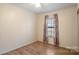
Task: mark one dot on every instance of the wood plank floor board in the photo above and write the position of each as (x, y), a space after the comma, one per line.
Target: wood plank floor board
(39, 48)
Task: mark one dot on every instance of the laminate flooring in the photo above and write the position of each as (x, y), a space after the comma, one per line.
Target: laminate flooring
(39, 48)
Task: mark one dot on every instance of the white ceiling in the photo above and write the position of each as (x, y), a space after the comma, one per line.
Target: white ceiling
(46, 7)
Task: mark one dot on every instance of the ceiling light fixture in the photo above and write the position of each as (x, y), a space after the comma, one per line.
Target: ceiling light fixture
(37, 4)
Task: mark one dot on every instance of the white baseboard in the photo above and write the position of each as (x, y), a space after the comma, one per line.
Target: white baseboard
(16, 47)
(74, 48)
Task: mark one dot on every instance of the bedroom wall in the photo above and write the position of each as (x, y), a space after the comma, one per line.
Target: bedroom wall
(78, 23)
(17, 27)
(67, 27)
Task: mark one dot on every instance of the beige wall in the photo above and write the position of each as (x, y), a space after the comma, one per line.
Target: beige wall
(67, 27)
(78, 24)
(17, 27)
(77, 5)
(78, 30)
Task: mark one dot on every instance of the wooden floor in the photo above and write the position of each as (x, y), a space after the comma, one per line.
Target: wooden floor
(39, 48)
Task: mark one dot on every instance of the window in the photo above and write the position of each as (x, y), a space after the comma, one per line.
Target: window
(50, 27)
(51, 32)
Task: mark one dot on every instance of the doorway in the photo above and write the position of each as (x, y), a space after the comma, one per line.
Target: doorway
(51, 33)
